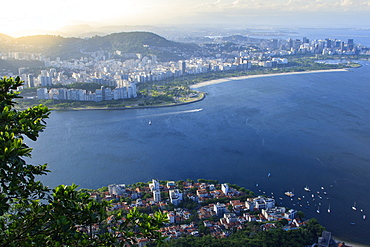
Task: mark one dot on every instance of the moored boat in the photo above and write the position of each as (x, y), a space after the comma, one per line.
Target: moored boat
(289, 193)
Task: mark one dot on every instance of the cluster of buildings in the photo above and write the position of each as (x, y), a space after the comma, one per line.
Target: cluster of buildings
(123, 70)
(220, 218)
(104, 93)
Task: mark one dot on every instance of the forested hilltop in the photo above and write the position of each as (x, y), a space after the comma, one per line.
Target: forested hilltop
(52, 46)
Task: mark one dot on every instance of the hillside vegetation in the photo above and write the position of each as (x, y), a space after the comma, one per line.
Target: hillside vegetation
(145, 43)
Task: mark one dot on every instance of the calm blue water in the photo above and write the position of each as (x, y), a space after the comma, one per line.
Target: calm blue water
(309, 129)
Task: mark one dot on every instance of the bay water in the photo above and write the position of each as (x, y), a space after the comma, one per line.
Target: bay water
(305, 130)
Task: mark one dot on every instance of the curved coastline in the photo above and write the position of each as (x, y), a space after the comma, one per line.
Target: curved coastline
(203, 95)
(216, 81)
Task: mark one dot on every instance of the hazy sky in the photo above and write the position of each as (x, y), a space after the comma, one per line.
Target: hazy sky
(25, 15)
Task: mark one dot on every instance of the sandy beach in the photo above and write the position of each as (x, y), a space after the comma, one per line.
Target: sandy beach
(221, 80)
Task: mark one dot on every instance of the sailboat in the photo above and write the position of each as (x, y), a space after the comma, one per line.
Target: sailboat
(307, 189)
(318, 209)
(329, 209)
(354, 206)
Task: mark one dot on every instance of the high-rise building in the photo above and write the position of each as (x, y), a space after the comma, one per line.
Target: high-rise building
(350, 44)
(22, 70)
(182, 66)
(46, 81)
(30, 81)
(42, 93)
(274, 43)
(297, 43)
(290, 43)
(342, 46)
(157, 195)
(328, 43)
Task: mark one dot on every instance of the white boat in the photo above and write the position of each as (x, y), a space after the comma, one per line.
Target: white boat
(307, 189)
(322, 187)
(318, 209)
(354, 206)
(364, 217)
(289, 193)
(150, 122)
(269, 175)
(329, 209)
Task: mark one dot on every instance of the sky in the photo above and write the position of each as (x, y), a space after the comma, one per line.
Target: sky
(21, 17)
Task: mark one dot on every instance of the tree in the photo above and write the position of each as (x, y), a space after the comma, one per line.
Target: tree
(18, 182)
(32, 214)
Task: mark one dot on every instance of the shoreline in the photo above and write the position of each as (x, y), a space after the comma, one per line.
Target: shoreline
(203, 84)
(349, 243)
(203, 95)
(221, 80)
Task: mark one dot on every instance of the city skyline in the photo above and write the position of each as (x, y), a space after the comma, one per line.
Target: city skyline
(39, 17)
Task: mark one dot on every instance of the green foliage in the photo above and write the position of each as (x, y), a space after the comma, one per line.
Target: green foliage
(14, 65)
(145, 43)
(300, 215)
(252, 235)
(208, 181)
(17, 177)
(103, 189)
(33, 215)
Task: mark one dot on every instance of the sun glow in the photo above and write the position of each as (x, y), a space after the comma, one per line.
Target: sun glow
(24, 17)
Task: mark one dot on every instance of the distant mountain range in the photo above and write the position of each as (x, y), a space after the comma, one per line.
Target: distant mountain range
(146, 43)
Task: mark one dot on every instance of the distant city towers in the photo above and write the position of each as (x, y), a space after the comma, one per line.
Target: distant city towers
(350, 44)
(328, 43)
(274, 43)
(182, 67)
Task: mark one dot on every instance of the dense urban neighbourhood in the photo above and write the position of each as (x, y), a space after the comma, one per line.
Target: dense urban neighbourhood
(150, 70)
(208, 213)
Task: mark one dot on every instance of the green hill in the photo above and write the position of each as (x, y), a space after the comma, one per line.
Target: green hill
(146, 43)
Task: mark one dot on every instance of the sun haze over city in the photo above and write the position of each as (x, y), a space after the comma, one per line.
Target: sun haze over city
(23, 17)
